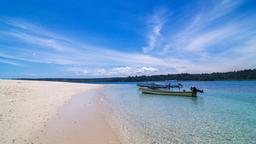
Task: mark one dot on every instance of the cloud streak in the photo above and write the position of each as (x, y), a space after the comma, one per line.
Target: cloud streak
(40, 46)
(156, 23)
(9, 62)
(210, 39)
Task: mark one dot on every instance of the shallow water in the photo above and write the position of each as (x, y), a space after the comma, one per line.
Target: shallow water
(225, 113)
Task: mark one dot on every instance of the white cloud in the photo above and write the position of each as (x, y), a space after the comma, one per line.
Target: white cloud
(37, 40)
(210, 40)
(10, 62)
(222, 8)
(77, 70)
(205, 29)
(202, 41)
(115, 71)
(143, 70)
(48, 47)
(156, 23)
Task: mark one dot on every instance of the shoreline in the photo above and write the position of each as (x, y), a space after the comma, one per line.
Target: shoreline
(28, 108)
(115, 124)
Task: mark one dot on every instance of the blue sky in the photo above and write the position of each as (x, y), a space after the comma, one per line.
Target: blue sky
(100, 38)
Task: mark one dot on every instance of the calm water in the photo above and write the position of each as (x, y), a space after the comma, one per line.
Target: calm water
(225, 113)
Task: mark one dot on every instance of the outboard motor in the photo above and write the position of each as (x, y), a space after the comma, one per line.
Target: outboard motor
(194, 89)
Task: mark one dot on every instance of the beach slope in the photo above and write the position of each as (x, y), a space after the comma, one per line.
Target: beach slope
(26, 107)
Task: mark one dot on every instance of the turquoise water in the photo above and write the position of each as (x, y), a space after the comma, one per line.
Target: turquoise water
(225, 113)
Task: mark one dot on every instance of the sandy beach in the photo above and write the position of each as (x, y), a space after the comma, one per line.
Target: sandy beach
(35, 112)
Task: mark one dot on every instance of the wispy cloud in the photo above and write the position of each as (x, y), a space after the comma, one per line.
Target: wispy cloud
(42, 46)
(201, 41)
(156, 23)
(210, 39)
(204, 28)
(35, 35)
(222, 8)
(9, 62)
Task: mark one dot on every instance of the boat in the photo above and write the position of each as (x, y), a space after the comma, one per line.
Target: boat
(192, 93)
(167, 85)
(152, 85)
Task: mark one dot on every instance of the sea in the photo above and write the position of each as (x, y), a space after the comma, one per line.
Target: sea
(224, 114)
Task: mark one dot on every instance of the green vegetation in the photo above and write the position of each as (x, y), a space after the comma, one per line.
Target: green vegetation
(249, 74)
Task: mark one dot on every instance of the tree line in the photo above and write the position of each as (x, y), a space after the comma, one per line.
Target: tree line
(249, 74)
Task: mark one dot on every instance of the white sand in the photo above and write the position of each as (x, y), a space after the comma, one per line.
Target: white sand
(27, 106)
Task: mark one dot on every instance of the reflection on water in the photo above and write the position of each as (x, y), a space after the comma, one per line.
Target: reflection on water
(225, 113)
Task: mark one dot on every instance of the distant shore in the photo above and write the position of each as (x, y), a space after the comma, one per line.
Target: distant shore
(27, 108)
(249, 74)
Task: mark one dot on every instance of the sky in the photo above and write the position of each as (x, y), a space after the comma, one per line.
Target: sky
(98, 38)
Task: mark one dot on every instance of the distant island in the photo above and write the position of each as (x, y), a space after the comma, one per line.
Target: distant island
(249, 74)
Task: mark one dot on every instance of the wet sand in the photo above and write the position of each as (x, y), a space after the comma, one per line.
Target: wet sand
(81, 121)
(52, 112)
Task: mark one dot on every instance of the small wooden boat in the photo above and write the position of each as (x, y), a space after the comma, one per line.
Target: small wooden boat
(192, 93)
